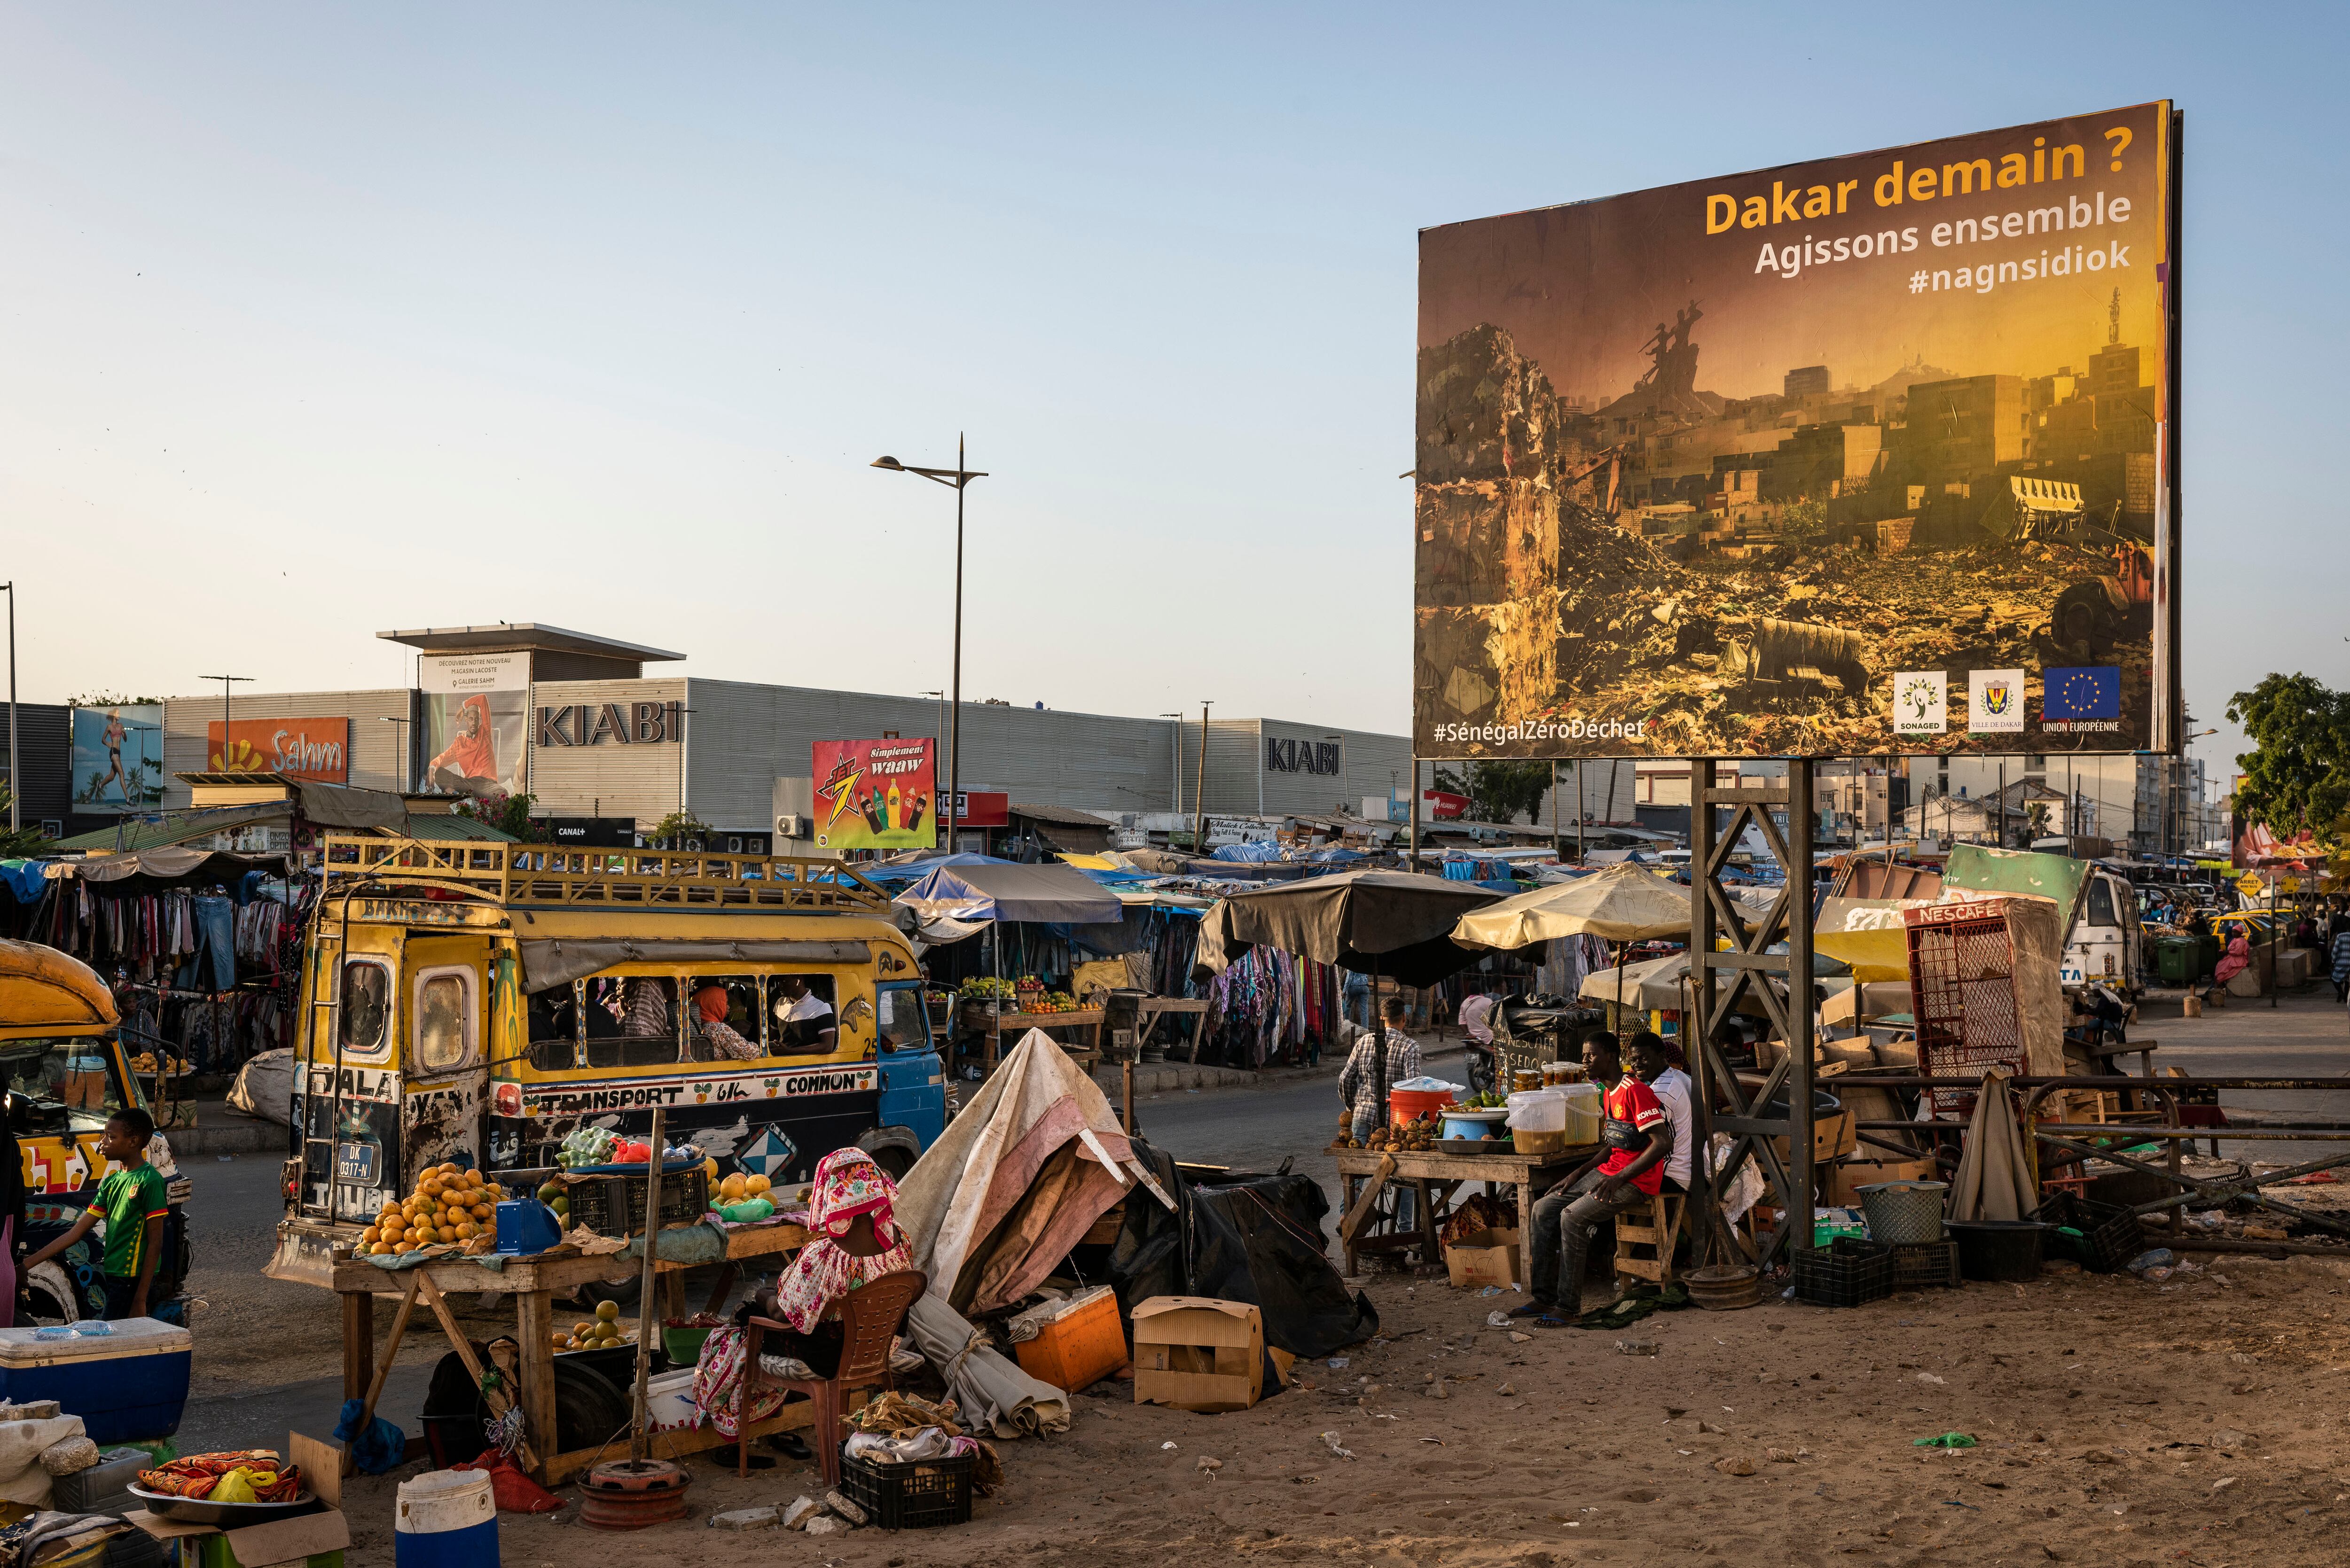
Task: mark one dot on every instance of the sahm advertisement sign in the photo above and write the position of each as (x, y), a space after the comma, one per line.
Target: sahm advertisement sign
(1862, 456)
(875, 794)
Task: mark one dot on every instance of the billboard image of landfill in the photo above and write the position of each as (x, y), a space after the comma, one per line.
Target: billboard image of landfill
(1863, 456)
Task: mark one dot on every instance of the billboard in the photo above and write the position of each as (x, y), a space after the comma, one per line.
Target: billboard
(875, 794)
(1863, 456)
(476, 723)
(317, 749)
(118, 758)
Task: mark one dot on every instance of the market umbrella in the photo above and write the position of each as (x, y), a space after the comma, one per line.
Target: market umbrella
(1621, 904)
(1994, 1179)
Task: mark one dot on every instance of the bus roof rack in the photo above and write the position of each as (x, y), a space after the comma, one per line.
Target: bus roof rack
(545, 876)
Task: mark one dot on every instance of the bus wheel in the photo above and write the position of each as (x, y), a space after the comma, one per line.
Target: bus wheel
(894, 1160)
(49, 1298)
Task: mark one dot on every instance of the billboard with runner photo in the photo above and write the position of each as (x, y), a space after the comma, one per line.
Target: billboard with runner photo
(875, 794)
(118, 758)
(1869, 455)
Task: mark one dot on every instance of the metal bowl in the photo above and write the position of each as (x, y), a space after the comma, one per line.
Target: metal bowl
(226, 1515)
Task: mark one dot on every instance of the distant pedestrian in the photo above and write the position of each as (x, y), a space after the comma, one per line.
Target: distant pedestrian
(2342, 964)
(1355, 1081)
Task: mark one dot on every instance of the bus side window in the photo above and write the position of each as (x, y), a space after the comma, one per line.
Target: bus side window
(555, 1028)
(800, 1017)
(632, 1022)
(722, 1018)
(366, 1006)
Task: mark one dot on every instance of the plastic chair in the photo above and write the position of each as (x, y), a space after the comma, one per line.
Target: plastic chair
(1657, 1231)
(870, 1317)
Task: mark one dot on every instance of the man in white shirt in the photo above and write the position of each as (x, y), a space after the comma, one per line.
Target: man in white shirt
(806, 1018)
(1673, 1088)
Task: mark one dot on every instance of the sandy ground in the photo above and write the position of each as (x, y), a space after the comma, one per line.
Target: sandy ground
(2120, 1422)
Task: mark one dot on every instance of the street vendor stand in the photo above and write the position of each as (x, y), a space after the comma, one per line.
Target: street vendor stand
(1436, 1176)
(534, 1283)
(995, 893)
(982, 1019)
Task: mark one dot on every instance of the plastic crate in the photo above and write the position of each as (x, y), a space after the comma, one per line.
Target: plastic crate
(1917, 1265)
(615, 1205)
(909, 1497)
(2109, 1235)
(1848, 1273)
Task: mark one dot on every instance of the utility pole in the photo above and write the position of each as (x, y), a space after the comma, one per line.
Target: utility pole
(227, 683)
(15, 796)
(1413, 841)
(1200, 791)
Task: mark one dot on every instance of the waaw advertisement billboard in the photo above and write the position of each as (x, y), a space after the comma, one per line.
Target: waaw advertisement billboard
(1870, 455)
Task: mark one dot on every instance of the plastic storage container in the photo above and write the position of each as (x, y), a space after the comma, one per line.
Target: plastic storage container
(125, 1384)
(446, 1519)
(1918, 1264)
(2100, 1237)
(1847, 1274)
(909, 1497)
(1999, 1250)
(1079, 1348)
(1409, 1105)
(105, 1487)
(1572, 1110)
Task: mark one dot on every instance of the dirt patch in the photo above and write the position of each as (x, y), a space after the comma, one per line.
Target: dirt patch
(2118, 1422)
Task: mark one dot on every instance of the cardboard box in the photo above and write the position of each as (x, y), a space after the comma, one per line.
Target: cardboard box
(1484, 1258)
(1195, 1352)
(318, 1539)
(1845, 1180)
(1834, 1135)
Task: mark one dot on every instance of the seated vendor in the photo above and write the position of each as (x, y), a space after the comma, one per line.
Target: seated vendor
(1637, 1139)
(853, 1240)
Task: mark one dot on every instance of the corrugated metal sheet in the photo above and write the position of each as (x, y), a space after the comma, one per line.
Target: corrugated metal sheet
(45, 753)
(376, 761)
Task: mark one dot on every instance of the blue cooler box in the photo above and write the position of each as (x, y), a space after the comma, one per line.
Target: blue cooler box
(129, 1385)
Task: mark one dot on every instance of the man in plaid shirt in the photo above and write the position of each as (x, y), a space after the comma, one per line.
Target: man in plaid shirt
(1355, 1085)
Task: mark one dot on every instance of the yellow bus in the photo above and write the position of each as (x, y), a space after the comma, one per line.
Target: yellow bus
(477, 1003)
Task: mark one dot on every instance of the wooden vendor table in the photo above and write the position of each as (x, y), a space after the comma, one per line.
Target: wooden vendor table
(1151, 1009)
(1436, 1176)
(535, 1284)
(994, 1025)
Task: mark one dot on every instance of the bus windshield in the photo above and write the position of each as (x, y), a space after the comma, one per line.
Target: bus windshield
(61, 1087)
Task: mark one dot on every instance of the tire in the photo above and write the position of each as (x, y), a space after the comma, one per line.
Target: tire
(625, 1292)
(47, 1299)
(894, 1160)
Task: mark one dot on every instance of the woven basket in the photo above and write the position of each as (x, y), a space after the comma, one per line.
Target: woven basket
(1904, 1212)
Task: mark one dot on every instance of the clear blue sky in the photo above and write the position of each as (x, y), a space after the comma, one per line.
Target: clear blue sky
(321, 320)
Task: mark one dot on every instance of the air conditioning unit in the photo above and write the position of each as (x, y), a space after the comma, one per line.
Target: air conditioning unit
(794, 826)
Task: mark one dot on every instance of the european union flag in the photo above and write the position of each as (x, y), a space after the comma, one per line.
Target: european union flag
(2092, 693)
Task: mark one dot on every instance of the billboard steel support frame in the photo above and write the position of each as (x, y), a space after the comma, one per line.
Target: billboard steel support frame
(1714, 914)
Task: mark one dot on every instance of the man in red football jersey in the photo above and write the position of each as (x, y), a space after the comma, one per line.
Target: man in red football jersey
(1628, 1172)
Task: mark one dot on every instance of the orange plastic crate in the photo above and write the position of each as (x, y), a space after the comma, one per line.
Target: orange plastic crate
(1079, 1348)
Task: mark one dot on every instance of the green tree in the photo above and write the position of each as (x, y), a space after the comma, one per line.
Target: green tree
(677, 829)
(1498, 792)
(2298, 773)
(508, 813)
(23, 842)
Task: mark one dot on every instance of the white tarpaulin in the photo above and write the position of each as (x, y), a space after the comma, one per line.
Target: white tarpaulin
(1016, 1180)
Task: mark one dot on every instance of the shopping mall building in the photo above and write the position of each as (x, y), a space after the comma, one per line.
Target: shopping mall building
(577, 723)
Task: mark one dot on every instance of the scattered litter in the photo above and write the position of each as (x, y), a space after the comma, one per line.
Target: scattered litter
(1947, 1440)
(1786, 1456)
(1735, 1465)
(1506, 1390)
(2152, 1258)
(1929, 1377)
(1638, 1347)
(1330, 1441)
(1497, 1320)
(1337, 1361)
(1166, 1447)
(1517, 1338)
(1491, 1290)
(1210, 1465)
(2223, 1481)
(1709, 1427)
(1954, 1502)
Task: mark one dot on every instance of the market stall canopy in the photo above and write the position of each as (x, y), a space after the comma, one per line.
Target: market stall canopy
(169, 861)
(1663, 983)
(1621, 904)
(1396, 923)
(338, 806)
(1051, 892)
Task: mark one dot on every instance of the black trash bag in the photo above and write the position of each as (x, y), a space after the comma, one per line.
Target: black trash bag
(1255, 1239)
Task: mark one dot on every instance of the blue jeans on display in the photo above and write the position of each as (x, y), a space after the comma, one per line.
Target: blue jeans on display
(216, 931)
(1358, 998)
(1558, 1250)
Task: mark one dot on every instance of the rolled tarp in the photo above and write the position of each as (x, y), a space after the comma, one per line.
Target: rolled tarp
(559, 960)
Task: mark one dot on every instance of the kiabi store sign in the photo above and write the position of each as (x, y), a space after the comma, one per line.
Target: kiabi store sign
(611, 723)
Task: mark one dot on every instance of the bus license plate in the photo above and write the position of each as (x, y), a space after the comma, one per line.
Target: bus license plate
(355, 1165)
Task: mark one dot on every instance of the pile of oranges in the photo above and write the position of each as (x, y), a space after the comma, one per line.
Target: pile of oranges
(450, 1206)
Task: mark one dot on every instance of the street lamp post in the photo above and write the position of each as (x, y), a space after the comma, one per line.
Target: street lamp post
(958, 478)
(228, 684)
(16, 808)
(400, 740)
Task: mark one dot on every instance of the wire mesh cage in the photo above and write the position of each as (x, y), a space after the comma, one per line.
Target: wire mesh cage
(1962, 993)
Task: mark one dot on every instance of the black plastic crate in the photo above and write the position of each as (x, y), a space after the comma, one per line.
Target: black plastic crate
(1917, 1265)
(918, 1496)
(615, 1205)
(1847, 1272)
(2108, 1234)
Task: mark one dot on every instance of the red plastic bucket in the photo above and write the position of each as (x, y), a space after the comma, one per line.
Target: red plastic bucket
(1410, 1104)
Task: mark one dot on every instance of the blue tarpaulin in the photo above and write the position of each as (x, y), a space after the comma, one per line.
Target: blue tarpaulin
(23, 879)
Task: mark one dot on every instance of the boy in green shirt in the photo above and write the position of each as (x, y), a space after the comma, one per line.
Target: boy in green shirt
(133, 1203)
